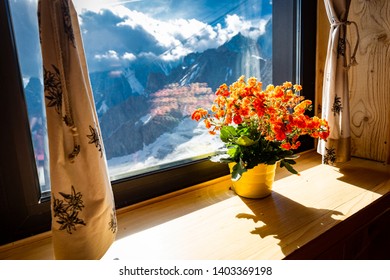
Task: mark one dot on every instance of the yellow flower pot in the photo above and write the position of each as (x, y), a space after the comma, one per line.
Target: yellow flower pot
(256, 182)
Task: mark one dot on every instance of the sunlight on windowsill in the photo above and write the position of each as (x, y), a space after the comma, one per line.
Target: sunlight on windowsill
(209, 221)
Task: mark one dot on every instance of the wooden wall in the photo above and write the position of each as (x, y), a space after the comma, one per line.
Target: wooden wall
(369, 81)
(322, 45)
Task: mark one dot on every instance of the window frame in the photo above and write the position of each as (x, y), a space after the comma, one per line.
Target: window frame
(24, 212)
(21, 210)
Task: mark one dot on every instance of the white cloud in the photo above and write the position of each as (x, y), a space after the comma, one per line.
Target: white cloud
(129, 56)
(97, 5)
(262, 25)
(182, 36)
(148, 55)
(236, 24)
(113, 59)
(110, 55)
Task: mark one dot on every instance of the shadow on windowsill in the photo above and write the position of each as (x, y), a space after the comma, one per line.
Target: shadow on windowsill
(293, 224)
(366, 174)
(184, 203)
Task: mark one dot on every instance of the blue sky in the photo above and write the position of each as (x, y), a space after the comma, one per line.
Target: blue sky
(117, 32)
(164, 29)
(187, 9)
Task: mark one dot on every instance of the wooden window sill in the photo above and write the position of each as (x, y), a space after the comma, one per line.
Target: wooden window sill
(304, 217)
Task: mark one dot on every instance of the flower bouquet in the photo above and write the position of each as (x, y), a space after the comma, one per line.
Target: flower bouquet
(259, 126)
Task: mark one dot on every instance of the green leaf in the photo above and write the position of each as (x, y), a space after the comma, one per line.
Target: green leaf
(290, 161)
(237, 171)
(285, 163)
(227, 133)
(245, 141)
(232, 152)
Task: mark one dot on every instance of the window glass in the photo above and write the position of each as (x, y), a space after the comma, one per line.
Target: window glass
(25, 25)
(151, 63)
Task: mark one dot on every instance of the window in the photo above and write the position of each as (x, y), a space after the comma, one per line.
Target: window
(145, 83)
(151, 63)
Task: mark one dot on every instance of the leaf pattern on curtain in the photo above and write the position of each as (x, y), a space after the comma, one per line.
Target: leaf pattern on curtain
(94, 138)
(113, 225)
(74, 153)
(68, 22)
(53, 88)
(68, 209)
(330, 156)
(337, 107)
(335, 93)
(54, 95)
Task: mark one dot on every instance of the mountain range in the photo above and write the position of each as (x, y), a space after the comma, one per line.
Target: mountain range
(139, 103)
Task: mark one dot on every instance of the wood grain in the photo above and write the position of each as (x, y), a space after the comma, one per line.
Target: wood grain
(323, 27)
(209, 221)
(370, 80)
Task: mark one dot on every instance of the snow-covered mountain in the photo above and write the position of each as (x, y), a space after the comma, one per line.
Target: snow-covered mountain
(144, 108)
(150, 68)
(133, 98)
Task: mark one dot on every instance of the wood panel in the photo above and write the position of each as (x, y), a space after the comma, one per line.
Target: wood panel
(370, 80)
(323, 27)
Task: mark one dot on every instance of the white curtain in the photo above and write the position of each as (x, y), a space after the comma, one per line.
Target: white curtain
(83, 213)
(335, 94)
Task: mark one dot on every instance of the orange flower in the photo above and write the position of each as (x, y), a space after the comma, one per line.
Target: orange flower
(301, 107)
(297, 87)
(207, 123)
(278, 91)
(243, 112)
(198, 114)
(228, 119)
(296, 145)
(252, 82)
(270, 88)
(222, 90)
(220, 114)
(286, 146)
(246, 102)
(273, 119)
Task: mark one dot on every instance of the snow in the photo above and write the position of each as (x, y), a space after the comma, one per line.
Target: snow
(229, 73)
(190, 140)
(103, 108)
(187, 79)
(135, 85)
(146, 119)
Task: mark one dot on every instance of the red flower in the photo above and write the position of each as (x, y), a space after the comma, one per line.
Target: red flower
(223, 90)
(237, 119)
(286, 146)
